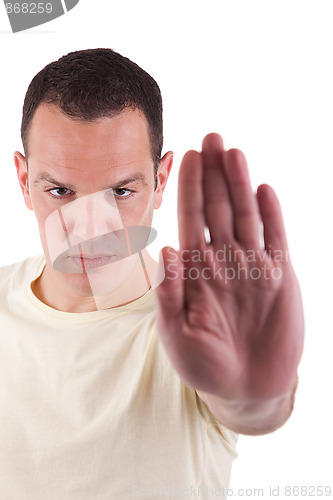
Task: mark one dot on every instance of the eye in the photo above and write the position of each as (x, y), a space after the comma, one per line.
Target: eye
(122, 193)
(61, 192)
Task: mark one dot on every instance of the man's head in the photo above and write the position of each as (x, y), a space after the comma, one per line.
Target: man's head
(95, 83)
(94, 158)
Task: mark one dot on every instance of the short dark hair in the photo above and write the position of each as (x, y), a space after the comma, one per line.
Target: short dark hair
(96, 83)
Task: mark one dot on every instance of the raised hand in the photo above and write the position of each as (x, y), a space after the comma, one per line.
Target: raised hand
(230, 311)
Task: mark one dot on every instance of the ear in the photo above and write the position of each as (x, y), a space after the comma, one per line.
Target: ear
(22, 174)
(162, 177)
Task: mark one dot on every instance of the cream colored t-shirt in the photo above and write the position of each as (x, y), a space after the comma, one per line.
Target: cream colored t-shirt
(91, 407)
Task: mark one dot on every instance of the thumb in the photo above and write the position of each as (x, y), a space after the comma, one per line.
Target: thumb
(170, 292)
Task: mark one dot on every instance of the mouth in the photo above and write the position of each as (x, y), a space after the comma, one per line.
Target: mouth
(91, 262)
(95, 252)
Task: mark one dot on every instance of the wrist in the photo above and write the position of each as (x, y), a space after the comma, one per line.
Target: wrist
(252, 415)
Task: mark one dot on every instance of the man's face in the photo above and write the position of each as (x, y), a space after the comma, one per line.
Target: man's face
(87, 180)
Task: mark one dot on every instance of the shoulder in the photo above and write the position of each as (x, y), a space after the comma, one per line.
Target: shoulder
(21, 272)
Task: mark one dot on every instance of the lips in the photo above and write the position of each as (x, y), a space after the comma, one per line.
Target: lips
(104, 249)
(91, 262)
(87, 255)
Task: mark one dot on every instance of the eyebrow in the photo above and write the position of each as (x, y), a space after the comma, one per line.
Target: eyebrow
(137, 177)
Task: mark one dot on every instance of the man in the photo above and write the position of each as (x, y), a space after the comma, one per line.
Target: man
(116, 382)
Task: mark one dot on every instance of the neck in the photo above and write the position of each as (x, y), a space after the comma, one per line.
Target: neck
(107, 287)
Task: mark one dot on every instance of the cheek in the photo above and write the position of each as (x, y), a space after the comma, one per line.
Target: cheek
(138, 212)
(41, 209)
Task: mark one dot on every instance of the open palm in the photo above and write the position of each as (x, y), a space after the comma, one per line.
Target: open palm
(229, 310)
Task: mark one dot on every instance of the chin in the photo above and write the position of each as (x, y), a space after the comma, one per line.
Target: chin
(79, 282)
(100, 281)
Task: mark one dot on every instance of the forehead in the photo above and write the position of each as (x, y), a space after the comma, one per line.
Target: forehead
(75, 146)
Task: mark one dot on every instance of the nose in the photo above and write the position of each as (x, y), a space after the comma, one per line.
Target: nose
(91, 216)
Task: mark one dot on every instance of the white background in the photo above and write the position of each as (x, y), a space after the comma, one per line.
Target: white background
(260, 73)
